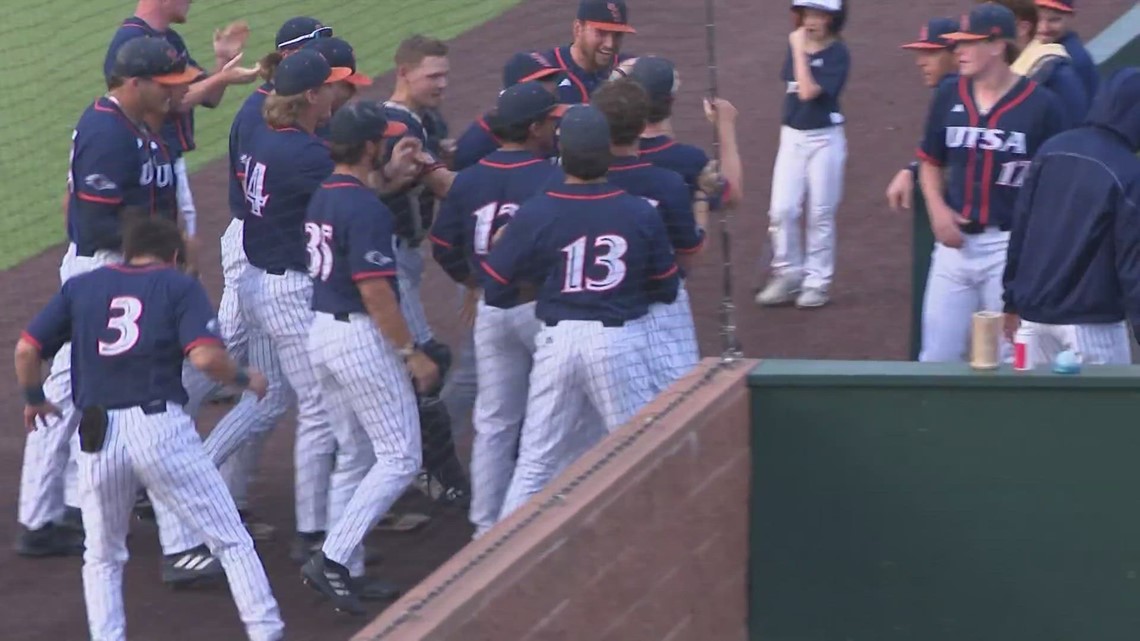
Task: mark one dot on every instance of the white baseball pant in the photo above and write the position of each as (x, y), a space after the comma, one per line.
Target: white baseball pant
(962, 281)
(577, 364)
(811, 161)
(672, 340)
(1095, 343)
(184, 196)
(277, 307)
(48, 451)
(163, 452)
(409, 276)
(377, 426)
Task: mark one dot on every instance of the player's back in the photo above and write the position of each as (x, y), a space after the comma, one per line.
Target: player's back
(683, 158)
(605, 249)
(285, 167)
(492, 190)
(665, 190)
(247, 119)
(127, 334)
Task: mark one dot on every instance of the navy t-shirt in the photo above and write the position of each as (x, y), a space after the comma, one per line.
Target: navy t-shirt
(481, 201)
(115, 163)
(578, 84)
(284, 169)
(247, 119)
(595, 253)
(178, 131)
(129, 328)
(349, 238)
(666, 190)
(830, 68)
(414, 206)
(987, 155)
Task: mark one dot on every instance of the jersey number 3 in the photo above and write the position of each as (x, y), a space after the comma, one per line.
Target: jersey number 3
(125, 313)
(609, 251)
(320, 254)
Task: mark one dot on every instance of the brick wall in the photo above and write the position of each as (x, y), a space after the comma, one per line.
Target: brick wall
(650, 543)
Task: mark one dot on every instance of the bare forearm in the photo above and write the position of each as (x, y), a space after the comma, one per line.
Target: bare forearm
(439, 181)
(380, 301)
(214, 362)
(28, 370)
(932, 183)
(807, 87)
(207, 92)
(731, 166)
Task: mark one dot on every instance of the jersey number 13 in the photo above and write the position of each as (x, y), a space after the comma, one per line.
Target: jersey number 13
(608, 251)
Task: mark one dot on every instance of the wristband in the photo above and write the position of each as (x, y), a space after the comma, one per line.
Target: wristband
(241, 378)
(34, 395)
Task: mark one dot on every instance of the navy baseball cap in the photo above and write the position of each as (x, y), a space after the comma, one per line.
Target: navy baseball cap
(526, 102)
(583, 130)
(985, 22)
(339, 53)
(605, 15)
(305, 70)
(524, 66)
(297, 31)
(362, 121)
(1064, 6)
(933, 35)
(155, 59)
(656, 75)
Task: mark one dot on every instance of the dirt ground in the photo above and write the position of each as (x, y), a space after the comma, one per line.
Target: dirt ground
(884, 102)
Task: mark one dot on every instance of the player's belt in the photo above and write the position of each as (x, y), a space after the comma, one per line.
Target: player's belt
(276, 271)
(975, 228)
(342, 317)
(150, 408)
(609, 322)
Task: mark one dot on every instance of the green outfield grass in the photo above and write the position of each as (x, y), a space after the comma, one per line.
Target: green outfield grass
(52, 69)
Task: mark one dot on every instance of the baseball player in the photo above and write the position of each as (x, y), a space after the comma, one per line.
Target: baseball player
(659, 78)
(589, 59)
(421, 78)
(361, 348)
(479, 140)
(812, 158)
(1054, 26)
(934, 55)
(118, 170)
(129, 325)
(673, 336)
(1047, 64)
(481, 202)
(153, 18)
(980, 137)
(597, 258)
(1071, 273)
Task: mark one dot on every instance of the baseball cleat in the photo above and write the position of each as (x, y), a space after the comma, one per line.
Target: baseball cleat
(305, 545)
(72, 519)
(50, 540)
(781, 290)
(195, 566)
(811, 297)
(371, 589)
(331, 579)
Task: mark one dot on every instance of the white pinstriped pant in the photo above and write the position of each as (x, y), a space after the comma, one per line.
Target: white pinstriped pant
(164, 453)
(577, 364)
(1096, 343)
(672, 340)
(49, 470)
(377, 425)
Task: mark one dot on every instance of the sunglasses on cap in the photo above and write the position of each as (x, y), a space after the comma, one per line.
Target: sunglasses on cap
(319, 32)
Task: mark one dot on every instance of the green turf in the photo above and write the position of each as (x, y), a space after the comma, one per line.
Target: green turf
(52, 69)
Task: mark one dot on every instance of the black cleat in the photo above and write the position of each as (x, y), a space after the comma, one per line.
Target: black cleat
(305, 545)
(333, 582)
(193, 568)
(50, 540)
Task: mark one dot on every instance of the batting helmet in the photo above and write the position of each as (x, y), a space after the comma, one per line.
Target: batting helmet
(837, 9)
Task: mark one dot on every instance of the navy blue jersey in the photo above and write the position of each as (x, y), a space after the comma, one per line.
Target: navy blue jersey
(1082, 63)
(666, 190)
(349, 239)
(475, 143)
(284, 168)
(830, 68)
(247, 119)
(987, 156)
(578, 84)
(685, 159)
(115, 163)
(481, 201)
(595, 253)
(178, 130)
(414, 205)
(128, 328)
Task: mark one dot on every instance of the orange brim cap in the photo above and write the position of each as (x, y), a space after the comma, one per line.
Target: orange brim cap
(184, 77)
(358, 79)
(1054, 5)
(395, 128)
(337, 74)
(540, 74)
(611, 26)
(928, 46)
(558, 110)
(965, 36)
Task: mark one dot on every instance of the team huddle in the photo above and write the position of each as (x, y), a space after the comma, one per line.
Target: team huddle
(567, 215)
